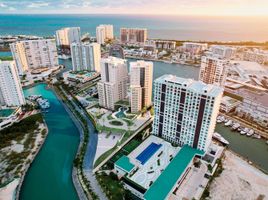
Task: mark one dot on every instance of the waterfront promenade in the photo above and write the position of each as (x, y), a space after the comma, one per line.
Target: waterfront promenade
(91, 148)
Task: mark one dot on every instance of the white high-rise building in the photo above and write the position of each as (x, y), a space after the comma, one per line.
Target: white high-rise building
(141, 81)
(67, 36)
(113, 84)
(11, 93)
(185, 111)
(86, 56)
(213, 70)
(34, 54)
(104, 32)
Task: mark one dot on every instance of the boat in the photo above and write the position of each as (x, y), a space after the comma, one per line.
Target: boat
(235, 126)
(221, 139)
(43, 103)
(239, 129)
(220, 119)
(229, 123)
(34, 97)
(250, 133)
(225, 120)
(244, 131)
(267, 142)
(257, 136)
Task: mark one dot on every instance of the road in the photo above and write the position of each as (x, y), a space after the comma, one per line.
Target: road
(91, 151)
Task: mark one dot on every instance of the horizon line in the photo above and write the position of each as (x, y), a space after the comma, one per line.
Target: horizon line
(134, 14)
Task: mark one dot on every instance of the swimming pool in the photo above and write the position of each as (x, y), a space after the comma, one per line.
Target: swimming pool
(147, 153)
(120, 113)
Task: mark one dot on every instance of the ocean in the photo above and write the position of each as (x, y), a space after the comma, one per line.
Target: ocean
(164, 27)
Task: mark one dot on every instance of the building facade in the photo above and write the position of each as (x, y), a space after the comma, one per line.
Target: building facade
(213, 70)
(104, 32)
(162, 44)
(86, 56)
(141, 81)
(133, 35)
(194, 48)
(185, 111)
(258, 56)
(11, 93)
(34, 54)
(113, 84)
(67, 36)
(116, 50)
(225, 52)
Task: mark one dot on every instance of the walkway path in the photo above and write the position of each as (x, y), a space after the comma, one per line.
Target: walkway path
(91, 151)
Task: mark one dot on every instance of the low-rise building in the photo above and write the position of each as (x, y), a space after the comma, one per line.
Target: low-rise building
(254, 105)
(74, 78)
(156, 169)
(194, 48)
(256, 55)
(222, 51)
(162, 44)
(229, 104)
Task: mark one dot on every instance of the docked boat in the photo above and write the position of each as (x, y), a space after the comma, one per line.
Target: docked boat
(226, 120)
(34, 97)
(235, 126)
(220, 119)
(250, 133)
(229, 123)
(257, 136)
(244, 131)
(43, 103)
(221, 139)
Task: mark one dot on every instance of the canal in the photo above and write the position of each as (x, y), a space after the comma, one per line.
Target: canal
(49, 176)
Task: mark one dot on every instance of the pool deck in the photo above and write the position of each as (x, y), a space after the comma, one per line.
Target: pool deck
(150, 171)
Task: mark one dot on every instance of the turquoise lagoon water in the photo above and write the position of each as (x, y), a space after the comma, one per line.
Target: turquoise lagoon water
(49, 176)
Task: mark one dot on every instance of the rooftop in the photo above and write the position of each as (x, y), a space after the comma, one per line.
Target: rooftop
(249, 66)
(190, 84)
(124, 163)
(149, 170)
(168, 178)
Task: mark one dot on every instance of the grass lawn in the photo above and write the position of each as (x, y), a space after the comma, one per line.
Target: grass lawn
(131, 145)
(103, 156)
(6, 58)
(116, 123)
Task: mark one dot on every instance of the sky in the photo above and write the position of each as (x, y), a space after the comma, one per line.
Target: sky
(155, 7)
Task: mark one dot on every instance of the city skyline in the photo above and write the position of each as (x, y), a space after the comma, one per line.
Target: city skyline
(181, 7)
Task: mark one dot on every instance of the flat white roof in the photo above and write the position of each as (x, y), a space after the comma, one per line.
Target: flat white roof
(152, 168)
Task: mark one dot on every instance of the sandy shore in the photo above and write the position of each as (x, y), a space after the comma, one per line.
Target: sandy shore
(239, 180)
(8, 192)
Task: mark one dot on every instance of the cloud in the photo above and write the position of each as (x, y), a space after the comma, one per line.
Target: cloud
(2, 5)
(191, 7)
(38, 4)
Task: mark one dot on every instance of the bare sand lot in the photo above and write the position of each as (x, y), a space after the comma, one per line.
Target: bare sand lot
(239, 181)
